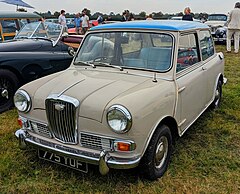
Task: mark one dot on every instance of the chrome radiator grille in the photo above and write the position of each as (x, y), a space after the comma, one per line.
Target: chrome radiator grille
(62, 118)
(96, 142)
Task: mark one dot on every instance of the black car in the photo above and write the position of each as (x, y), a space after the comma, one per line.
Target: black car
(221, 35)
(39, 49)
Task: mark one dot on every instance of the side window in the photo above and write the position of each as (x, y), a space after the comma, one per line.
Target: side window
(162, 40)
(131, 42)
(9, 26)
(187, 52)
(206, 44)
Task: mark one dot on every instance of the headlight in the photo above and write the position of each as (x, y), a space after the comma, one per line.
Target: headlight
(22, 101)
(119, 119)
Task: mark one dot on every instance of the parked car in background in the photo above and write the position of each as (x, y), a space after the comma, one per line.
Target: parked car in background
(92, 23)
(126, 96)
(221, 35)
(54, 20)
(180, 18)
(10, 22)
(37, 50)
(215, 21)
(70, 22)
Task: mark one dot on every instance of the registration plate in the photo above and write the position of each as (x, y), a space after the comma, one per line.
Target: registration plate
(63, 160)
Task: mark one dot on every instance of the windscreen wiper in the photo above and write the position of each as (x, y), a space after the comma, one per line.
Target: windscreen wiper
(84, 63)
(108, 65)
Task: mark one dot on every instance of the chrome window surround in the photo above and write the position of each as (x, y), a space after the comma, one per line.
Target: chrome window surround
(127, 114)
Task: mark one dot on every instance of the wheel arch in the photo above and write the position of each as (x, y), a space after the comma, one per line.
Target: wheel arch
(15, 71)
(219, 77)
(171, 123)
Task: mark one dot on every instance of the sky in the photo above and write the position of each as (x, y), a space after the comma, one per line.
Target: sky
(135, 6)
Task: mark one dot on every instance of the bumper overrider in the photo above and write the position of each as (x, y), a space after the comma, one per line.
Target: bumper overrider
(102, 159)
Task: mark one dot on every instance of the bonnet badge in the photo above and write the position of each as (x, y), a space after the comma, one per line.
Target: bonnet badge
(59, 107)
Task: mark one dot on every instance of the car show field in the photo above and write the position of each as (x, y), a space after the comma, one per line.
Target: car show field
(205, 159)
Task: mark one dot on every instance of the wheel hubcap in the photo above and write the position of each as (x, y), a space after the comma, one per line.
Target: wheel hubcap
(161, 152)
(4, 93)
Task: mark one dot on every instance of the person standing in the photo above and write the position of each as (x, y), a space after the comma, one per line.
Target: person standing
(62, 20)
(124, 17)
(85, 22)
(149, 17)
(187, 14)
(100, 19)
(131, 17)
(233, 28)
(77, 23)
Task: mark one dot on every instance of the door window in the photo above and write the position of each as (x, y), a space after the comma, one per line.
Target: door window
(206, 44)
(187, 52)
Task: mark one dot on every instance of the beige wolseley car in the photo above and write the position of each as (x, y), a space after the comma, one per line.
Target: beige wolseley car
(131, 88)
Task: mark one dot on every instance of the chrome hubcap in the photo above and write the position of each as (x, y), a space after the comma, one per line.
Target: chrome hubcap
(4, 93)
(161, 152)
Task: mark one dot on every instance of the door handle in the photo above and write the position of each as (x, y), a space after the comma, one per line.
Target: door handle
(204, 68)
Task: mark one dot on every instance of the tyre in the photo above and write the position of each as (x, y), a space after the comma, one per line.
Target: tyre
(9, 83)
(218, 96)
(157, 156)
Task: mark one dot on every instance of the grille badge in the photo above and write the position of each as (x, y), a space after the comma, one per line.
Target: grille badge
(59, 107)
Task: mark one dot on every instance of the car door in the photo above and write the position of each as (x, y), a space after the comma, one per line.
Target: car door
(190, 81)
(53, 58)
(211, 63)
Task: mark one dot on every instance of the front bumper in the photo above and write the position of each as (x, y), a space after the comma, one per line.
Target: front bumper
(219, 39)
(102, 159)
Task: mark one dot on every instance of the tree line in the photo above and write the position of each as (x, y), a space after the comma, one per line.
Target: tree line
(117, 16)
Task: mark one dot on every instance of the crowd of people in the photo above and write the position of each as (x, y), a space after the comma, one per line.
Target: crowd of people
(81, 23)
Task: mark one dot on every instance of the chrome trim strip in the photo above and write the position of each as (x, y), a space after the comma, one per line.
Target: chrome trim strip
(181, 123)
(181, 89)
(61, 93)
(84, 156)
(224, 80)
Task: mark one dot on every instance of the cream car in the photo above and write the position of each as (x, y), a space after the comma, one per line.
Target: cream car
(216, 21)
(126, 96)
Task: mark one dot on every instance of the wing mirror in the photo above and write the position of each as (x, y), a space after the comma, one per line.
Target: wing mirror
(71, 51)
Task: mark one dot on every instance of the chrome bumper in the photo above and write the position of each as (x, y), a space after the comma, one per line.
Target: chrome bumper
(224, 80)
(103, 159)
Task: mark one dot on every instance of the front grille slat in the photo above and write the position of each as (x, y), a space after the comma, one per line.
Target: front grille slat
(62, 118)
(96, 142)
(39, 128)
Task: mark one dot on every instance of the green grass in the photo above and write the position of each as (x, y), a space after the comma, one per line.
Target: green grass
(205, 160)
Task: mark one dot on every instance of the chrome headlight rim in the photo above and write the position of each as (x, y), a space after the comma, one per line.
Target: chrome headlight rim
(24, 94)
(125, 112)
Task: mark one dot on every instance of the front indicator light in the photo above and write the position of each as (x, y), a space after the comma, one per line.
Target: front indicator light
(20, 122)
(124, 146)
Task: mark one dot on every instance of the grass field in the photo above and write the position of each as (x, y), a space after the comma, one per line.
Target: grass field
(205, 160)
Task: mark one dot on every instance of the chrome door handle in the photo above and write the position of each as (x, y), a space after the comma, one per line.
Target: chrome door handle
(204, 68)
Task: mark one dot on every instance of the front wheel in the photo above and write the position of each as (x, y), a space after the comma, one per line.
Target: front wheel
(157, 156)
(8, 85)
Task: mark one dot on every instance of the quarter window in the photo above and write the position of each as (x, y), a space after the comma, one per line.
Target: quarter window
(187, 52)
(9, 26)
(206, 44)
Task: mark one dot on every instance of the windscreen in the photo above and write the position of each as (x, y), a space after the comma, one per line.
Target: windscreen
(46, 30)
(151, 51)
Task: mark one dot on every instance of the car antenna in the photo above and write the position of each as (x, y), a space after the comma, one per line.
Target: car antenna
(154, 77)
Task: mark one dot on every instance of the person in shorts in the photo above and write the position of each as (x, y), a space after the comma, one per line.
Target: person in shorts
(85, 22)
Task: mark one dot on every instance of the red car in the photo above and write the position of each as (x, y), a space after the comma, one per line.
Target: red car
(91, 22)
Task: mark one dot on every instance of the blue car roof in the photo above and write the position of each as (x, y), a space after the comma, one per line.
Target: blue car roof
(170, 25)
